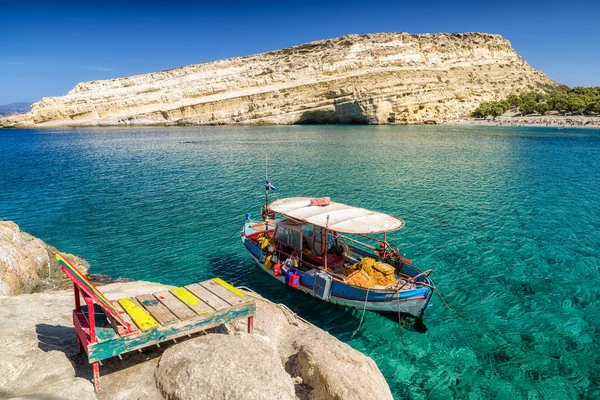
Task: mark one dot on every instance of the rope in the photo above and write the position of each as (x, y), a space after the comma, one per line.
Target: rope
(286, 310)
(231, 236)
(456, 312)
(435, 289)
(400, 317)
(362, 315)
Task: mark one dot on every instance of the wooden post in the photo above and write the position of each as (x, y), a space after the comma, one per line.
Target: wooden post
(96, 373)
(77, 298)
(91, 318)
(250, 324)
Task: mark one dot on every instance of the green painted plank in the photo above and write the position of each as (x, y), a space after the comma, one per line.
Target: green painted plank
(101, 351)
(104, 331)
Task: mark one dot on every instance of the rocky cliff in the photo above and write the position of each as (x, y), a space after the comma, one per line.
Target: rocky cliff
(376, 78)
(27, 264)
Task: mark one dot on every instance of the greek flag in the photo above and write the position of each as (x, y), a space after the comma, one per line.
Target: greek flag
(268, 186)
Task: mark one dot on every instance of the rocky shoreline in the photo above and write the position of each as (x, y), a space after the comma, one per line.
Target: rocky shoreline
(553, 121)
(285, 358)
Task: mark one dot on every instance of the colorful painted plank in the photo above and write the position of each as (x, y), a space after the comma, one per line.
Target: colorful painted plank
(222, 292)
(208, 297)
(125, 317)
(158, 310)
(199, 306)
(87, 287)
(142, 319)
(101, 351)
(229, 287)
(175, 305)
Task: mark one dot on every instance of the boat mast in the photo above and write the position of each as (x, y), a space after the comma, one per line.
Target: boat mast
(326, 241)
(266, 187)
(266, 212)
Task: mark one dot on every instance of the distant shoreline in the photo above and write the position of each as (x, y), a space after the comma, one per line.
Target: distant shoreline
(551, 121)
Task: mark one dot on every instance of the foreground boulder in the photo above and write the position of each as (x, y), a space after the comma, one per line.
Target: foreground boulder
(38, 346)
(27, 264)
(322, 367)
(335, 370)
(223, 367)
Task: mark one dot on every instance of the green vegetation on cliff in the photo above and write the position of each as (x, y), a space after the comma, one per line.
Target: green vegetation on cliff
(578, 100)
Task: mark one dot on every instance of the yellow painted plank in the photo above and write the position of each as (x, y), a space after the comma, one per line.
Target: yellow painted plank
(229, 287)
(177, 307)
(208, 297)
(142, 319)
(125, 317)
(193, 302)
(222, 292)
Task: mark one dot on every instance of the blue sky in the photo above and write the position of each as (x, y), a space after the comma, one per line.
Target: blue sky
(50, 46)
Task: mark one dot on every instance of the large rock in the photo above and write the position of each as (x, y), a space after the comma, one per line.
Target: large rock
(38, 343)
(223, 367)
(376, 78)
(27, 264)
(322, 367)
(335, 370)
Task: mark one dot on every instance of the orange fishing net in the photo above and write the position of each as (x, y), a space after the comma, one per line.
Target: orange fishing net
(369, 272)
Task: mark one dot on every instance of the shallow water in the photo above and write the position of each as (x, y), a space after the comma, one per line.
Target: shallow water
(508, 219)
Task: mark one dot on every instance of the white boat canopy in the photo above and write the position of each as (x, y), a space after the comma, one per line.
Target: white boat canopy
(342, 218)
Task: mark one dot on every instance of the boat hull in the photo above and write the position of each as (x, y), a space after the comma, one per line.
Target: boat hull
(408, 302)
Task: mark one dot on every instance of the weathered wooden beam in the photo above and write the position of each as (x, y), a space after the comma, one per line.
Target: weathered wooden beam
(208, 297)
(101, 351)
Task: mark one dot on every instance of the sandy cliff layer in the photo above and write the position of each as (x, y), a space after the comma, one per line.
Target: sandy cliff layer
(377, 78)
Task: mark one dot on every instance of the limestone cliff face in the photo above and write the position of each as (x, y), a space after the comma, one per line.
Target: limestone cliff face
(376, 78)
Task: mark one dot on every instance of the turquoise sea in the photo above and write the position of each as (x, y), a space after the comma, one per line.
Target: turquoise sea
(508, 219)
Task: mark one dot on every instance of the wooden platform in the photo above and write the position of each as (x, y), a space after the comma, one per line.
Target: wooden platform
(162, 316)
(108, 328)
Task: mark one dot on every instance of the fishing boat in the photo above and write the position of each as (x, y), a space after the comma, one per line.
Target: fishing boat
(337, 253)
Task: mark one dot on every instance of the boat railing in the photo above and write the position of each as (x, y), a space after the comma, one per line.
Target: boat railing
(344, 237)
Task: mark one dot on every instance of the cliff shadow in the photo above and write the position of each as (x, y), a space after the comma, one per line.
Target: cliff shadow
(342, 113)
